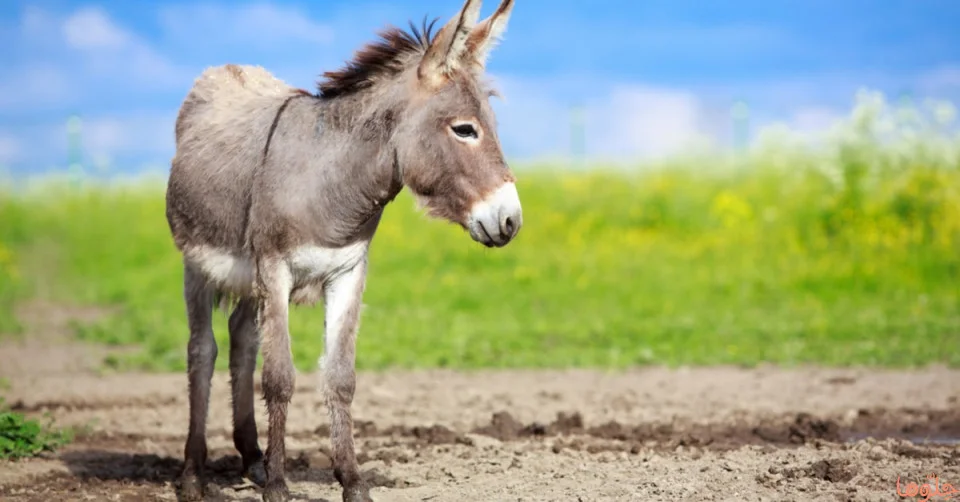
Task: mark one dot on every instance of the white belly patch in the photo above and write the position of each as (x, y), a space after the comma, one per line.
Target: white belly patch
(311, 264)
(310, 267)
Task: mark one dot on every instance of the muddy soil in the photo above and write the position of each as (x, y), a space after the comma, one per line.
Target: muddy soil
(641, 435)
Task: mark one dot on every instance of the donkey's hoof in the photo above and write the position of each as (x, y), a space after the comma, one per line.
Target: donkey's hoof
(276, 491)
(356, 494)
(256, 473)
(191, 488)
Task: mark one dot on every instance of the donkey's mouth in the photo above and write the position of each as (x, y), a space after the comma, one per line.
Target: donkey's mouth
(484, 237)
(480, 234)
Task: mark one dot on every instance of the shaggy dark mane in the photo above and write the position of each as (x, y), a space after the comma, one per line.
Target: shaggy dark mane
(381, 57)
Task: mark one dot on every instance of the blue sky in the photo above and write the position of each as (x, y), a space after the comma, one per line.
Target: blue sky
(652, 75)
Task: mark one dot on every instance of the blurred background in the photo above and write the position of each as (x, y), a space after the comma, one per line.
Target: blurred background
(608, 79)
(703, 182)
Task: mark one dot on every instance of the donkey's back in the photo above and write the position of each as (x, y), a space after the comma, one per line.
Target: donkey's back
(221, 130)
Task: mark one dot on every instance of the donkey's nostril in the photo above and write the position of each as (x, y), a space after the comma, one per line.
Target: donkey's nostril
(508, 226)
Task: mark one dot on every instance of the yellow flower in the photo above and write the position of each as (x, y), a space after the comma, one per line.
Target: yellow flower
(730, 209)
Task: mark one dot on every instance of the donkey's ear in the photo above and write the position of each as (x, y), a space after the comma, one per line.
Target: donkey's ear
(445, 52)
(487, 34)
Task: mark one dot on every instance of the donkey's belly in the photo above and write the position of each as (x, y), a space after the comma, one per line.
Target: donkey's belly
(227, 272)
(309, 266)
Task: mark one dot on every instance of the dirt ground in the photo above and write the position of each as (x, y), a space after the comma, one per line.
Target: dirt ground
(641, 435)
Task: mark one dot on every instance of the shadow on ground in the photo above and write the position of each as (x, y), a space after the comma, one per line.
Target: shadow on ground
(160, 473)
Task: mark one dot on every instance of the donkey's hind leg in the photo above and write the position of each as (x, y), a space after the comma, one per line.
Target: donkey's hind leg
(201, 356)
(244, 345)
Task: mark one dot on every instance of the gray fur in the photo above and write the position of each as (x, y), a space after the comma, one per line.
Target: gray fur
(275, 194)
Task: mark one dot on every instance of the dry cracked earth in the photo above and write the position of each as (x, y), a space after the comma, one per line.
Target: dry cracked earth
(648, 434)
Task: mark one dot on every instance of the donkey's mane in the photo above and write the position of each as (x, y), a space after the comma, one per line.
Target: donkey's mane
(383, 57)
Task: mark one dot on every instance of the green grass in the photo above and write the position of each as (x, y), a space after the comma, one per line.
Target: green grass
(839, 256)
(11, 287)
(22, 437)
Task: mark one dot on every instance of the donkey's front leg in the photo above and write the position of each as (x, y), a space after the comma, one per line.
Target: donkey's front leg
(342, 297)
(274, 284)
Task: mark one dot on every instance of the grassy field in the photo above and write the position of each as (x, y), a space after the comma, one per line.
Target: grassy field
(843, 255)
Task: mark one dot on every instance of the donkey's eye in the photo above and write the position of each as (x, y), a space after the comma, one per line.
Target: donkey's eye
(464, 130)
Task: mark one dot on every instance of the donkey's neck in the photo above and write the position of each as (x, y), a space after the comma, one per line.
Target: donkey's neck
(367, 121)
(336, 167)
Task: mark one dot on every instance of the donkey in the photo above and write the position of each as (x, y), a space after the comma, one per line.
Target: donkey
(274, 196)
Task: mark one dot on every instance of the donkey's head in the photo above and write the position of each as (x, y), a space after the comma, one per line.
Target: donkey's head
(447, 144)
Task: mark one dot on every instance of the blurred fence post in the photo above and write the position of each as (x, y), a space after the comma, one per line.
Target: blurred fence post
(74, 148)
(906, 109)
(578, 135)
(740, 116)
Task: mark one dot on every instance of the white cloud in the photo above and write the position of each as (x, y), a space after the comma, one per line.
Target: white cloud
(37, 24)
(118, 142)
(91, 29)
(141, 133)
(69, 58)
(38, 85)
(636, 120)
(643, 121)
(815, 119)
(261, 25)
(531, 122)
(111, 51)
(623, 122)
(944, 78)
(10, 149)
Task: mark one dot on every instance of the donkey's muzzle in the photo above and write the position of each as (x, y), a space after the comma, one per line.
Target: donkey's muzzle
(496, 220)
